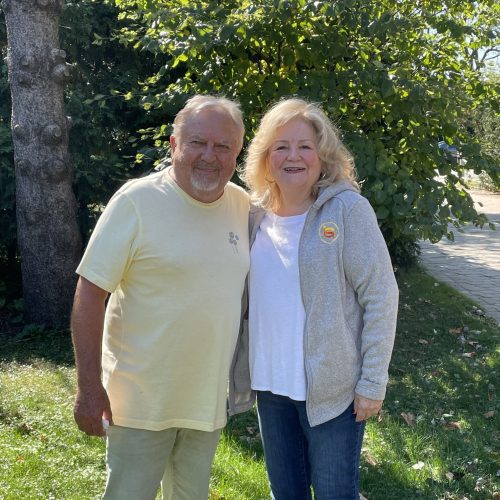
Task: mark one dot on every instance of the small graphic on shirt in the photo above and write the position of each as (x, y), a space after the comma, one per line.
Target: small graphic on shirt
(233, 241)
(328, 232)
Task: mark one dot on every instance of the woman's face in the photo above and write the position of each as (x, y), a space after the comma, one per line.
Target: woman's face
(293, 158)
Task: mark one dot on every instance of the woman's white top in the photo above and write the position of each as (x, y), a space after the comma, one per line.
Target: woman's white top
(276, 313)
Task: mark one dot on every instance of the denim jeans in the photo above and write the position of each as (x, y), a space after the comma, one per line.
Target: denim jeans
(299, 456)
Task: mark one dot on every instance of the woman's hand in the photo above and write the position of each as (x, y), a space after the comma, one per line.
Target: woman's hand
(365, 408)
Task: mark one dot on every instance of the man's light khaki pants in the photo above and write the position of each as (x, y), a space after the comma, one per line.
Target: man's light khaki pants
(138, 461)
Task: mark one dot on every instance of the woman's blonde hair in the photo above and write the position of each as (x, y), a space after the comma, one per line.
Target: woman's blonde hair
(337, 163)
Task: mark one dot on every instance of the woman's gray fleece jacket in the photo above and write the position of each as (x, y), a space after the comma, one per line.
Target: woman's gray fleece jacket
(350, 298)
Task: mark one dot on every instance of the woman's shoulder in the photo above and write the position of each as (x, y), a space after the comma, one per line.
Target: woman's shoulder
(345, 199)
(255, 216)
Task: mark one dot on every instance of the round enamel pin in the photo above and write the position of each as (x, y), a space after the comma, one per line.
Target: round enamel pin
(328, 232)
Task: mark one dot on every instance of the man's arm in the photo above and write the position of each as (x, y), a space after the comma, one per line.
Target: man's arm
(92, 403)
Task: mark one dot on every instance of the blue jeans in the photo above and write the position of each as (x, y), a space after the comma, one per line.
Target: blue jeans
(299, 456)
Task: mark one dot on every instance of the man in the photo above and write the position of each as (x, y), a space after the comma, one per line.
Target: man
(172, 250)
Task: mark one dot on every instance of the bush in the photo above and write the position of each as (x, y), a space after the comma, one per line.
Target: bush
(393, 77)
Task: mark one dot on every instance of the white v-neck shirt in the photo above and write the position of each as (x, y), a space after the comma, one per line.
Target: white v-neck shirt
(276, 313)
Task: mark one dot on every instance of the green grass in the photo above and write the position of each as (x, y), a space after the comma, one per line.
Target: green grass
(445, 373)
(444, 379)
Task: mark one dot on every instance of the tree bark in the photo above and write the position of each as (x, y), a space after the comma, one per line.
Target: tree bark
(48, 236)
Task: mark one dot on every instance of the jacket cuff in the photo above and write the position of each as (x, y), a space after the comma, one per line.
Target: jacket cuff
(370, 390)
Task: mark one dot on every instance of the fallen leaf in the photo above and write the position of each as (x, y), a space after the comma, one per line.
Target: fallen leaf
(469, 354)
(371, 459)
(251, 430)
(480, 483)
(216, 496)
(489, 414)
(418, 466)
(472, 465)
(450, 476)
(409, 418)
(451, 426)
(422, 341)
(456, 331)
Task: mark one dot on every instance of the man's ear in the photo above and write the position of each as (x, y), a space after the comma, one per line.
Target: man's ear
(173, 144)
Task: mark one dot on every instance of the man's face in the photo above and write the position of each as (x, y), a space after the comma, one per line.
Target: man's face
(204, 155)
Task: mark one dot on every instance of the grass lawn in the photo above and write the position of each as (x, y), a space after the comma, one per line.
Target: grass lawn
(438, 436)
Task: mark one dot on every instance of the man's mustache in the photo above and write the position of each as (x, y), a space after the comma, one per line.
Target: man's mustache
(208, 166)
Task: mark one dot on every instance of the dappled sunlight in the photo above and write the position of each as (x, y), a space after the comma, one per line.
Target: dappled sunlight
(436, 436)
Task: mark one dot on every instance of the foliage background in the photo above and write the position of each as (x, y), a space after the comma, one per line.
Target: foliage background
(102, 141)
(394, 76)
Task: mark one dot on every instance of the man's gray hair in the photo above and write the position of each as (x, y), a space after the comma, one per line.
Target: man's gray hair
(200, 102)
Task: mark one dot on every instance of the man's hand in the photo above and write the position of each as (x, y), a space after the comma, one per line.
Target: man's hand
(365, 408)
(91, 407)
(92, 402)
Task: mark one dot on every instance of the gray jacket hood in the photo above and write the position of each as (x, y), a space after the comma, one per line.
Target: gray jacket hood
(329, 192)
(325, 194)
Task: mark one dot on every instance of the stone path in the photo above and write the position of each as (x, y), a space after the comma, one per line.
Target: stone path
(471, 263)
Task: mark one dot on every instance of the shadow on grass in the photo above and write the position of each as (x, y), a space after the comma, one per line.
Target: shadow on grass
(244, 431)
(50, 346)
(444, 372)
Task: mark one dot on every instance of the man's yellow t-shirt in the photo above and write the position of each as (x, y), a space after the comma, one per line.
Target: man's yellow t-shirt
(175, 268)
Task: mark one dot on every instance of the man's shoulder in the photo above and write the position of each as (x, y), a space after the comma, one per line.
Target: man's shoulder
(136, 187)
(236, 191)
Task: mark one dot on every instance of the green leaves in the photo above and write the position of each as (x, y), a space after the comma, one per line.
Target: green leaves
(395, 77)
(387, 88)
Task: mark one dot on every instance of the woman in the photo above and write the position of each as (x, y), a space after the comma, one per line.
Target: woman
(322, 308)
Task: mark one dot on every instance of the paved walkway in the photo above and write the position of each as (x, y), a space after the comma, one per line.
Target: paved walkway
(471, 263)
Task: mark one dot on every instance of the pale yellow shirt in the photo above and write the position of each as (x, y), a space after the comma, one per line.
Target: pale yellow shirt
(176, 269)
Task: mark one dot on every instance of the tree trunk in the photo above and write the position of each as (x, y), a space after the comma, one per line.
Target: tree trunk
(48, 235)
